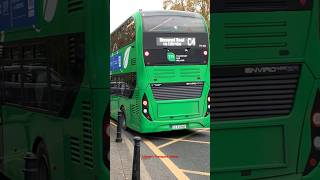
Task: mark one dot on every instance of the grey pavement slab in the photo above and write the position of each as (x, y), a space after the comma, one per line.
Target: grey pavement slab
(121, 158)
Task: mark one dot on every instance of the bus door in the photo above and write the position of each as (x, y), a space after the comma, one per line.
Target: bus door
(257, 98)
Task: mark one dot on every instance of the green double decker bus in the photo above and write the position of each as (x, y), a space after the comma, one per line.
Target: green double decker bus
(54, 89)
(159, 71)
(265, 70)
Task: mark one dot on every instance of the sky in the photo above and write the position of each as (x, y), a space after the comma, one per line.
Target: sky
(121, 10)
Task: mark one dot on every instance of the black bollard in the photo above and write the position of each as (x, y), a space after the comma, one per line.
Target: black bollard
(119, 126)
(31, 167)
(136, 159)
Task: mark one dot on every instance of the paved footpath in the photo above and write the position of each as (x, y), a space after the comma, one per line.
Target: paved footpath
(121, 158)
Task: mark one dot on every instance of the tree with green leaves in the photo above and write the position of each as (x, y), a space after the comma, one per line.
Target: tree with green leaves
(200, 6)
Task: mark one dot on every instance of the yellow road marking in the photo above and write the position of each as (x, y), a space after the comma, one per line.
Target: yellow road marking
(166, 161)
(208, 129)
(196, 172)
(179, 139)
(114, 124)
(184, 140)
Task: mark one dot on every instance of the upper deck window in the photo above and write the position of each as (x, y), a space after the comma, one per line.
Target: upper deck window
(173, 24)
(123, 36)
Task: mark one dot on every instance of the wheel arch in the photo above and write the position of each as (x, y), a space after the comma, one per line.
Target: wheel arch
(36, 143)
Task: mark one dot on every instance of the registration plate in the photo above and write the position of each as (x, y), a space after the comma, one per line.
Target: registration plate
(181, 126)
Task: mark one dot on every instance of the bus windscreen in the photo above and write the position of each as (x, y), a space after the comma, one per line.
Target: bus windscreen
(174, 40)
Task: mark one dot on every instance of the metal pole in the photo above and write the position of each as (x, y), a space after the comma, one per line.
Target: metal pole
(119, 125)
(31, 167)
(136, 159)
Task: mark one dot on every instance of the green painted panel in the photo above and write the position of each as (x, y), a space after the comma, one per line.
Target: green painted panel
(262, 36)
(249, 148)
(285, 37)
(22, 126)
(178, 109)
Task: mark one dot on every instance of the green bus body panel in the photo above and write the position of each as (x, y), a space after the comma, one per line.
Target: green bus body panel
(260, 38)
(21, 129)
(164, 113)
(75, 144)
(269, 144)
(275, 148)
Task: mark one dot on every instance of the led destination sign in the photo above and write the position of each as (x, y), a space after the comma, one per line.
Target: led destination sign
(176, 41)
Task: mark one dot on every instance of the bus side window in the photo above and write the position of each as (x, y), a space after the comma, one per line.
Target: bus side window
(11, 62)
(123, 84)
(130, 30)
(35, 81)
(123, 36)
(66, 71)
(48, 72)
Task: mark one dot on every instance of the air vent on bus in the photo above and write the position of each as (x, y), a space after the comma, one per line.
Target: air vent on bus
(75, 150)
(133, 61)
(259, 5)
(136, 106)
(174, 91)
(72, 49)
(75, 5)
(255, 5)
(257, 91)
(190, 72)
(255, 35)
(87, 134)
(164, 73)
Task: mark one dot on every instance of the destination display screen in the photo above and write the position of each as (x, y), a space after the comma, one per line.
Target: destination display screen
(176, 41)
(175, 48)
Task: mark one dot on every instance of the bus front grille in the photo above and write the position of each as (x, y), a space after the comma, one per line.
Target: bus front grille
(175, 91)
(256, 91)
